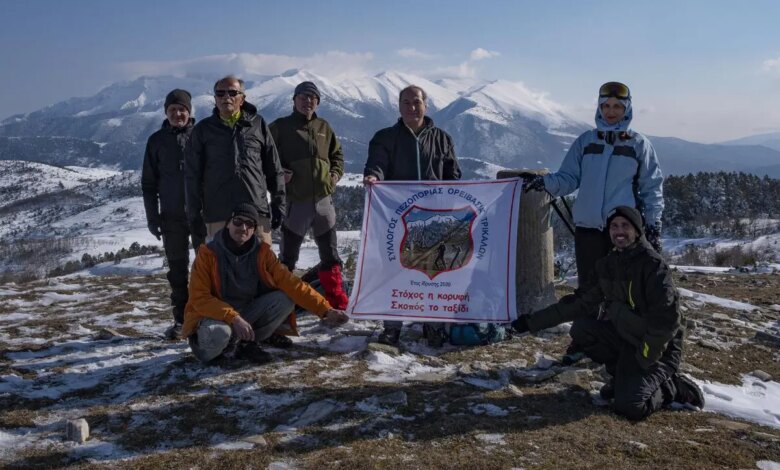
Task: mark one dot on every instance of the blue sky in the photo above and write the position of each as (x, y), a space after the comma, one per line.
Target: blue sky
(700, 70)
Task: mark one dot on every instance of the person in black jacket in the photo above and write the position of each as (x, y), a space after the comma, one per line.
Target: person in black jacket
(231, 158)
(162, 184)
(638, 334)
(411, 150)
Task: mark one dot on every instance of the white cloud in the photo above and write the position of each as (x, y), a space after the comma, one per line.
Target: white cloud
(412, 53)
(333, 64)
(772, 65)
(480, 53)
(462, 70)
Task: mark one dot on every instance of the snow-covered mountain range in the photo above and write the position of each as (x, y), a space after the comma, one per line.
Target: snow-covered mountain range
(492, 123)
(497, 122)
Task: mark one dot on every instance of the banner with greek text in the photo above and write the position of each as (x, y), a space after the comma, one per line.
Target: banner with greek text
(438, 251)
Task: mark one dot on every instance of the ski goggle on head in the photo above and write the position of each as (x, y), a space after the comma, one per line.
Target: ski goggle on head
(614, 90)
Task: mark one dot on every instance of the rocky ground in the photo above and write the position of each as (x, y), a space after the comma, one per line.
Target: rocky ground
(89, 348)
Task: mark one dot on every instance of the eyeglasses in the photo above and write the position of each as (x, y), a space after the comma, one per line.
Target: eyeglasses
(614, 90)
(232, 93)
(241, 223)
(307, 97)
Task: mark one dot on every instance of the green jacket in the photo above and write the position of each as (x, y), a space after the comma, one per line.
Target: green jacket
(312, 152)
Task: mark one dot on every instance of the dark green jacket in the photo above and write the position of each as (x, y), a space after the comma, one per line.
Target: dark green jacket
(225, 166)
(310, 149)
(639, 297)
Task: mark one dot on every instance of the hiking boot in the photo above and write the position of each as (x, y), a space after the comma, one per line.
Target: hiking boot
(278, 341)
(607, 391)
(252, 352)
(574, 354)
(390, 336)
(688, 393)
(173, 332)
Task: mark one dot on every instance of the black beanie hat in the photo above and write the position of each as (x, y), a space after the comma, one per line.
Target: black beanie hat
(307, 87)
(179, 96)
(631, 214)
(246, 210)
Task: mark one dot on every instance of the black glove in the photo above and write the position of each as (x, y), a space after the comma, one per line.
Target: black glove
(277, 214)
(531, 181)
(197, 231)
(653, 236)
(154, 228)
(521, 325)
(197, 241)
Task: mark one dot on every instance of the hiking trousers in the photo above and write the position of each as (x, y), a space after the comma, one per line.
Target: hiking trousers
(266, 313)
(638, 392)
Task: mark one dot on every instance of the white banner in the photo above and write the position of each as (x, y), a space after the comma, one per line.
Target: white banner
(438, 251)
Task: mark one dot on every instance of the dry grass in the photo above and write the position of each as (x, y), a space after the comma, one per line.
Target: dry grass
(186, 409)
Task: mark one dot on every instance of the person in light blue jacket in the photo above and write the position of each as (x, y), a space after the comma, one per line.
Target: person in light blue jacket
(611, 166)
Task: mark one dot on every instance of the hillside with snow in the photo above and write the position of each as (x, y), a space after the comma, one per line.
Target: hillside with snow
(496, 122)
(88, 346)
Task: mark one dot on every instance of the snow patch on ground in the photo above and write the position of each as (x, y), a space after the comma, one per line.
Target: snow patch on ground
(711, 299)
(754, 400)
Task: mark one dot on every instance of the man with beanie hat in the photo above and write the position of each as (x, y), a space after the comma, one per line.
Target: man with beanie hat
(313, 164)
(638, 331)
(162, 185)
(611, 165)
(240, 294)
(232, 158)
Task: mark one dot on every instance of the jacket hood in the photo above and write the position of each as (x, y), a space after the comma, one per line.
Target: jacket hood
(219, 241)
(622, 125)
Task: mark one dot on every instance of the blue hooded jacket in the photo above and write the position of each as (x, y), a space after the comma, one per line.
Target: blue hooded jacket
(624, 172)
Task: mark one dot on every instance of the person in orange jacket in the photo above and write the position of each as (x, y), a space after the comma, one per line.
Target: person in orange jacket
(240, 294)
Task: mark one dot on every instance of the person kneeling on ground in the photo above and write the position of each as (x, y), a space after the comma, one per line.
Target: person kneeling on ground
(638, 334)
(240, 294)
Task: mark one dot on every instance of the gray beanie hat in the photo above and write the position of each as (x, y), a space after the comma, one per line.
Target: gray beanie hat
(181, 97)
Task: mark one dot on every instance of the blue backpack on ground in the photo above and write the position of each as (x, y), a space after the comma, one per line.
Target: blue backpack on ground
(476, 334)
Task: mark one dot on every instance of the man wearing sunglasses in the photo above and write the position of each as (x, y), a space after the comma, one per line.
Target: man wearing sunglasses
(240, 294)
(611, 166)
(162, 184)
(313, 163)
(231, 159)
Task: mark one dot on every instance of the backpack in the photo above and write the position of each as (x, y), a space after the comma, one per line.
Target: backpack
(476, 334)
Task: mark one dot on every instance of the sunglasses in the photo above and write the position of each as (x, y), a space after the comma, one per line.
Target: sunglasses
(614, 90)
(231, 93)
(241, 223)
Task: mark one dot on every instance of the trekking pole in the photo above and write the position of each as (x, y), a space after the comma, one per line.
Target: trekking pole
(554, 204)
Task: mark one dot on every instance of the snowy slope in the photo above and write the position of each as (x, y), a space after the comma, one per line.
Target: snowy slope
(21, 180)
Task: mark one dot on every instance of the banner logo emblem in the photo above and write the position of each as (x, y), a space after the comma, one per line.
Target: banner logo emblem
(437, 240)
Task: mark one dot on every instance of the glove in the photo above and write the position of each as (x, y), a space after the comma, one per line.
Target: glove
(197, 230)
(521, 325)
(530, 181)
(649, 351)
(653, 236)
(277, 214)
(154, 228)
(197, 241)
